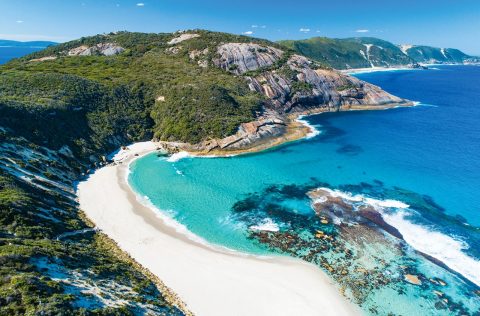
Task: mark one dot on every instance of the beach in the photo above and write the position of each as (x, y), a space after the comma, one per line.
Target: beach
(210, 280)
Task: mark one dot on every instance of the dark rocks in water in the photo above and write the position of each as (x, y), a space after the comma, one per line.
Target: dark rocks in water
(375, 217)
(350, 150)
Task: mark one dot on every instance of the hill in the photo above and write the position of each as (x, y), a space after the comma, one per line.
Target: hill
(367, 52)
(361, 52)
(63, 109)
(434, 55)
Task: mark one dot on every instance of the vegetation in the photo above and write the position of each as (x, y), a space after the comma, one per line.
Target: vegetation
(37, 270)
(104, 96)
(426, 54)
(58, 118)
(349, 52)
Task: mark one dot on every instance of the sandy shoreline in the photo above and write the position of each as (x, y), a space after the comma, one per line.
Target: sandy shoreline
(209, 281)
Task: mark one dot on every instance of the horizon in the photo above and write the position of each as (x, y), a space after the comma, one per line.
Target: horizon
(431, 23)
(253, 37)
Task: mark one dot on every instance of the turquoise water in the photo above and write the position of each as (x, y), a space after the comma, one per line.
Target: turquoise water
(425, 157)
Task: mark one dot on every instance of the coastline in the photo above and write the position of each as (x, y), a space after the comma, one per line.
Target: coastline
(375, 69)
(297, 129)
(210, 281)
(355, 71)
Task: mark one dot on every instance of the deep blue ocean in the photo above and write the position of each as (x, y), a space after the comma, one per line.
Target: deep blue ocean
(8, 53)
(419, 167)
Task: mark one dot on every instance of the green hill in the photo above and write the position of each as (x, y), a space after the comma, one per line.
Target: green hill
(366, 52)
(360, 52)
(434, 55)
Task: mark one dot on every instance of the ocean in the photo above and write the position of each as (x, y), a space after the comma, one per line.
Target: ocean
(8, 53)
(319, 199)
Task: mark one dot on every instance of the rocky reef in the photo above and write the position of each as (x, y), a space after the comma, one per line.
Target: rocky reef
(346, 236)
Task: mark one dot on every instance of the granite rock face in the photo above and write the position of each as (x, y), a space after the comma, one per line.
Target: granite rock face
(242, 57)
(105, 49)
(182, 37)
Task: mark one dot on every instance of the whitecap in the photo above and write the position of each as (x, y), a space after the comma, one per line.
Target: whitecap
(177, 156)
(266, 225)
(449, 250)
(313, 130)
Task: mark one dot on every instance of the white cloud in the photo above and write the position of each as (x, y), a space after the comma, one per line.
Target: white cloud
(248, 33)
(140, 4)
(19, 21)
(254, 26)
(304, 30)
(263, 26)
(318, 31)
(362, 31)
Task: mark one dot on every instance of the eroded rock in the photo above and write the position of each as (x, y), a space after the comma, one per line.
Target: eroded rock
(182, 37)
(239, 58)
(105, 49)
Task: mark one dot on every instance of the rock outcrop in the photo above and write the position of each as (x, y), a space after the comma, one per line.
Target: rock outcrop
(291, 84)
(105, 49)
(182, 37)
(242, 57)
(43, 59)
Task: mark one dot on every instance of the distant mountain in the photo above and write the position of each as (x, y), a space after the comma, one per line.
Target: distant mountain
(40, 44)
(367, 52)
(434, 55)
(361, 52)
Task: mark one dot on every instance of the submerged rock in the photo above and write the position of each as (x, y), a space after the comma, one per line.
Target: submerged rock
(413, 279)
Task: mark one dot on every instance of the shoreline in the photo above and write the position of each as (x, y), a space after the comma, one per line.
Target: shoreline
(210, 281)
(297, 129)
(154, 231)
(355, 71)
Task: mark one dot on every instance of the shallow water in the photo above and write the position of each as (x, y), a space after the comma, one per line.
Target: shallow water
(418, 167)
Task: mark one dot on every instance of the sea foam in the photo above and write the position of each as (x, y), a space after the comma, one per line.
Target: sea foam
(177, 156)
(313, 130)
(445, 248)
(266, 225)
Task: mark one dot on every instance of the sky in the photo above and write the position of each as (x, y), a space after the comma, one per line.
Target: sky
(441, 23)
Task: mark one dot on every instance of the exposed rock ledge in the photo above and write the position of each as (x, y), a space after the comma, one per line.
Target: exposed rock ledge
(182, 37)
(298, 86)
(106, 49)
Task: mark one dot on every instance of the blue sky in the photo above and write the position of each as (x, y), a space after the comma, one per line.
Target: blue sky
(443, 23)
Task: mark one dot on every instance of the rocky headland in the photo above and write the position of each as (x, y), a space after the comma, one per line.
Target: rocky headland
(292, 85)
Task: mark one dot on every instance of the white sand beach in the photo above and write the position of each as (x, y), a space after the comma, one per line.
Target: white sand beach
(210, 281)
